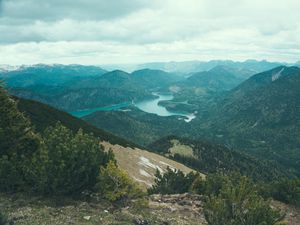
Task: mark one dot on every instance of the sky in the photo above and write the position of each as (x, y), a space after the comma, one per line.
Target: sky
(136, 31)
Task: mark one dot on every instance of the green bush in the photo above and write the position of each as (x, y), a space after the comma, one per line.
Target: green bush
(172, 181)
(115, 185)
(68, 163)
(237, 203)
(285, 190)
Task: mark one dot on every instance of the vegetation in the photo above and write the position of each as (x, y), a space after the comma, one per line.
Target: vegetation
(42, 116)
(56, 162)
(230, 199)
(238, 204)
(68, 163)
(115, 185)
(172, 182)
(284, 190)
(212, 158)
(18, 144)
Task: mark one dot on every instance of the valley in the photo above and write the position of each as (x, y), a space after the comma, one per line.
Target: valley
(154, 123)
(149, 112)
(223, 105)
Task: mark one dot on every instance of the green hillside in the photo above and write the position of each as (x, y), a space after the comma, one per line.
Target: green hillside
(43, 116)
(211, 158)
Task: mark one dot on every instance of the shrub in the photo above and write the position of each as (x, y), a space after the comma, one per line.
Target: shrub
(68, 163)
(285, 190)
(172, 182)
(237, 203)
(115, 185)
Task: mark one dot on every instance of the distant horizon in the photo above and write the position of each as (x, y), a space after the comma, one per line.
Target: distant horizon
(154, 62)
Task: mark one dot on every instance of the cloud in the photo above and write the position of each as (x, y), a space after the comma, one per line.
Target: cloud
(141, 30)
(53, 10)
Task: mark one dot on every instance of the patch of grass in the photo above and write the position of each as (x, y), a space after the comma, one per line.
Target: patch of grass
(181, 149)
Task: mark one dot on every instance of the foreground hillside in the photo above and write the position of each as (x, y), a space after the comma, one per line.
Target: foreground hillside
(59, 176)
(183, 209)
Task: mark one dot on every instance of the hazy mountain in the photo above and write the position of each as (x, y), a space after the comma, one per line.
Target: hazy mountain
(219, 78)
(198, 66)
(154, 78)
(49, 75)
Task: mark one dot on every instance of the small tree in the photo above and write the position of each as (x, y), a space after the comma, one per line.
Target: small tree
(115, 185)
(18, 143)
(68, 163)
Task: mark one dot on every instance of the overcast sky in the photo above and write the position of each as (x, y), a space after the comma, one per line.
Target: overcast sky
(136, 31)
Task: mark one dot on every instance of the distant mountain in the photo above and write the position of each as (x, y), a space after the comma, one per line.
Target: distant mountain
(48, 75)
(261, 115)
(113, 79)
(154, 78)
(219, 78)
(72, 88)
(198, 66)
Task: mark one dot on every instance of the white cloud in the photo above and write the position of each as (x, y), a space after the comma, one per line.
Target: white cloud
(149, 31)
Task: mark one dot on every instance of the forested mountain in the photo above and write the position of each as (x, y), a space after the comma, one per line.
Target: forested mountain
(219, 78)
(261, 116)
(73, 88)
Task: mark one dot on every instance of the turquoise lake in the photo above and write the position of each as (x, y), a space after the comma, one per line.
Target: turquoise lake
(149, 106)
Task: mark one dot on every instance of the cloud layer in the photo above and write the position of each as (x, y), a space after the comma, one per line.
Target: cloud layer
(123, 31)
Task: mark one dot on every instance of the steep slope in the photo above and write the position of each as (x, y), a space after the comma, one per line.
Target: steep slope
(42, 116)
(262, 116)
(141, 165)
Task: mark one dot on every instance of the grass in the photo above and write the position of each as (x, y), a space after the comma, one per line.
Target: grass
(181, 149)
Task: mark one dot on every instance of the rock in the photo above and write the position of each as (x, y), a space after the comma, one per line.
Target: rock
(87, 217)
(106, 211)
(139, 221)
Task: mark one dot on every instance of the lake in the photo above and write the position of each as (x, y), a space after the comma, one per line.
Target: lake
(152, 106)
(149, 106)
